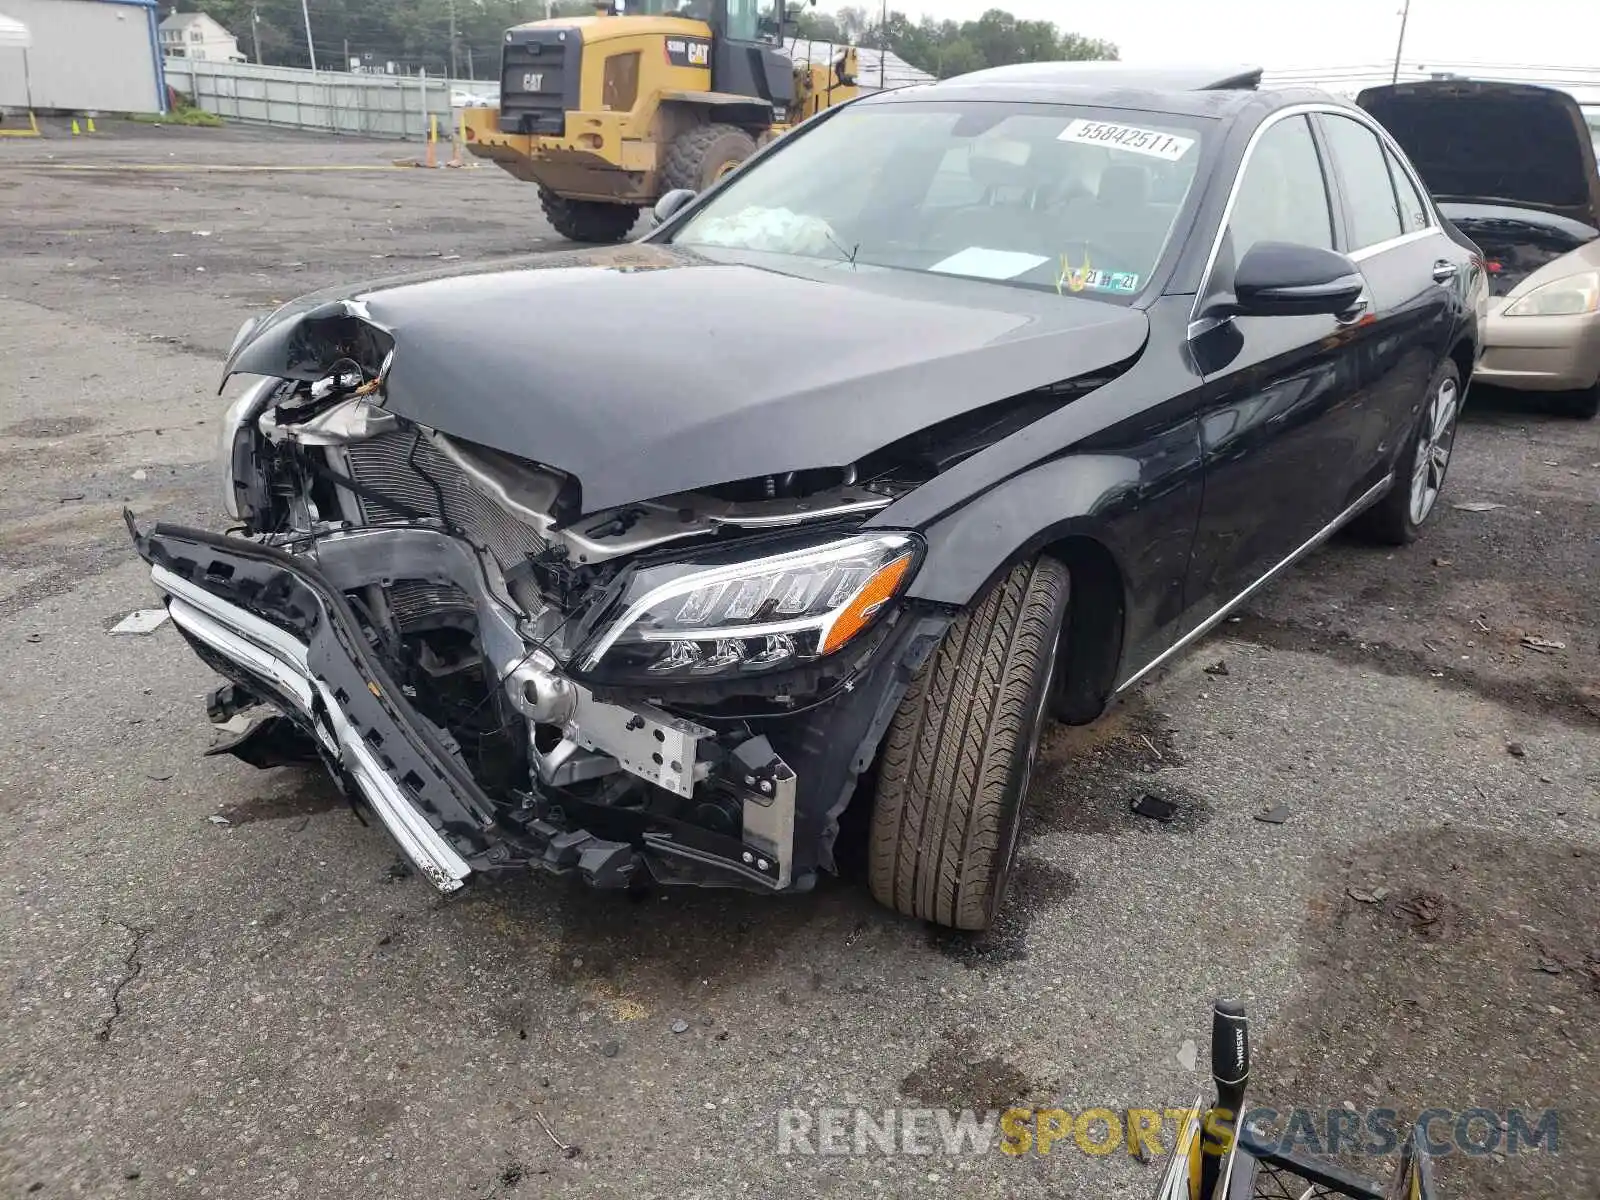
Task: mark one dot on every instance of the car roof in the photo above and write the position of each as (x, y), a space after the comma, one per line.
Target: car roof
(1119, 74)
(1187, 91)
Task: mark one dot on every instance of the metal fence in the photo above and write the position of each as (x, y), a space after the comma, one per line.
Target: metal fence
(385, 106)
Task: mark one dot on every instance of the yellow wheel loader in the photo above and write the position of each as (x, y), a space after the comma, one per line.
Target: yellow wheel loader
(607, 114)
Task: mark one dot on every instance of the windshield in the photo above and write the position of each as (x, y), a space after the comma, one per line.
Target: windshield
(700, 10)
(1071, 199)
(747, 20)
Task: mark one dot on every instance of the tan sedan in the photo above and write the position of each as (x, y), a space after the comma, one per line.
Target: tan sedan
(1513, 166)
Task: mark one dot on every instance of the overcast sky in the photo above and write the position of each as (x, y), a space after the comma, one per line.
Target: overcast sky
(1300, 33)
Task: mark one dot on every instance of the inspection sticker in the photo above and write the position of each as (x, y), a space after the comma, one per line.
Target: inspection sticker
(1128, 137)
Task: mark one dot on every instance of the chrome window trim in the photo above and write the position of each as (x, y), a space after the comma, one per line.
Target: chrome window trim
(1416, 235)
(1303, 110)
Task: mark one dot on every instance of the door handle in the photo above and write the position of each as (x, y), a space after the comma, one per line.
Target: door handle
(1444, 272)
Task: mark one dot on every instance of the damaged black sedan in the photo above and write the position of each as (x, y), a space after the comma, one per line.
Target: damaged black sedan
(949, 415)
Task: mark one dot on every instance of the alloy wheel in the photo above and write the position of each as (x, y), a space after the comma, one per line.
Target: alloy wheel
(1434, 443)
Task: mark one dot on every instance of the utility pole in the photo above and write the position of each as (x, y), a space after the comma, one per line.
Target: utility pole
(311, 49)
(883, 47)
(255, 31)
(453, 71)
(1405, 15)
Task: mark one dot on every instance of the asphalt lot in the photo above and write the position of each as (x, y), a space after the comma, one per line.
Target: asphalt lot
(260, 1008)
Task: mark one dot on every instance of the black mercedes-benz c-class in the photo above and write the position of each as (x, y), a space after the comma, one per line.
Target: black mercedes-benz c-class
(950, 414)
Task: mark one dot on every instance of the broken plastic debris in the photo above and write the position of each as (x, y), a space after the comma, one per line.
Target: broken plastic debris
(1155, 808)
(1362, 896)
(1543, 645)
(1275, 815)
(140, 621)
(1477, 506)
(216, 820)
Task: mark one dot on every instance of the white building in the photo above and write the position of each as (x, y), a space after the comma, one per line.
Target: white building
(81, 56)
(195, 35)
(880, 70)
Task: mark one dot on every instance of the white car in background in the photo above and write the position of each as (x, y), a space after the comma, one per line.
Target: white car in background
(1513, 166)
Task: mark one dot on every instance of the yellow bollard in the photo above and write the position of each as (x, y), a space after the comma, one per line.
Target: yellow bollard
(433, 141)
(75, 129)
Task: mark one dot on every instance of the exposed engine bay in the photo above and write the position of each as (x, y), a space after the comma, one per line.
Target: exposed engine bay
(1516, 243)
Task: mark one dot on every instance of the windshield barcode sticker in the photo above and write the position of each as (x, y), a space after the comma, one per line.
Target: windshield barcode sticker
(1128, 137)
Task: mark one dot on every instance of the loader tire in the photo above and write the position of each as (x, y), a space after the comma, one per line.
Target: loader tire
(588, 220)
(954, 772)
(700, 156)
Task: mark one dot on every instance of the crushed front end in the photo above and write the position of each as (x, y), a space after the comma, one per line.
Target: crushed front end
(685, 689)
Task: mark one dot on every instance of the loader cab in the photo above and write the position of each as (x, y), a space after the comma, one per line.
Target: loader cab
(747, 37)
(747, 55)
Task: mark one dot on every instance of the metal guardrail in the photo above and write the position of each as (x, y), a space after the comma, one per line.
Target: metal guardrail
(379, 106)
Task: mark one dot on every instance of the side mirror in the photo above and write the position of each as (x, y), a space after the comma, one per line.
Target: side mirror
(672, 203)
(1282, 279)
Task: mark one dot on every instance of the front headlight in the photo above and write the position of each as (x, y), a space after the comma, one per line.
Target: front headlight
(703, 618)
(1570, 297)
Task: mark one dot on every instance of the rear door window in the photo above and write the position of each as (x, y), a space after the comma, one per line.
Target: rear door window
(1370, 205)
(1414, 207)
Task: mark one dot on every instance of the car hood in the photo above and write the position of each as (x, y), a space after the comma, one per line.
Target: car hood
(1506, 143)
(645, 371)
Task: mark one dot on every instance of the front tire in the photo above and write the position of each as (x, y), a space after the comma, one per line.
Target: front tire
(959, 755)
(588, 220)
(1420, 472)
(700, 156)
(1584, 405)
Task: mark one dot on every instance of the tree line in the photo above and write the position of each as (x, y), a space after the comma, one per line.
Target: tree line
(416, 34)
(946, 48)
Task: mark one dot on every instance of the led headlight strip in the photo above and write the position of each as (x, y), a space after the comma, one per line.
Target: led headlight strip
(755, 615)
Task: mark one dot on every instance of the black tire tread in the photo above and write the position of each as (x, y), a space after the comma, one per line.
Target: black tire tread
(588, 220)
(951, 757)
(1583, 406)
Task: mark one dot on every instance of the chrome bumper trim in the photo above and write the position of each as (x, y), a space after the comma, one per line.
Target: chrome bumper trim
(280, 659)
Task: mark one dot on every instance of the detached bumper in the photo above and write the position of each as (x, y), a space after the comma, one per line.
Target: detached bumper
(281, 629)
(273, 624)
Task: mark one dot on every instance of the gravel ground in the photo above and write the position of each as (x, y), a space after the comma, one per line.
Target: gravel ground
(262, 1008)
